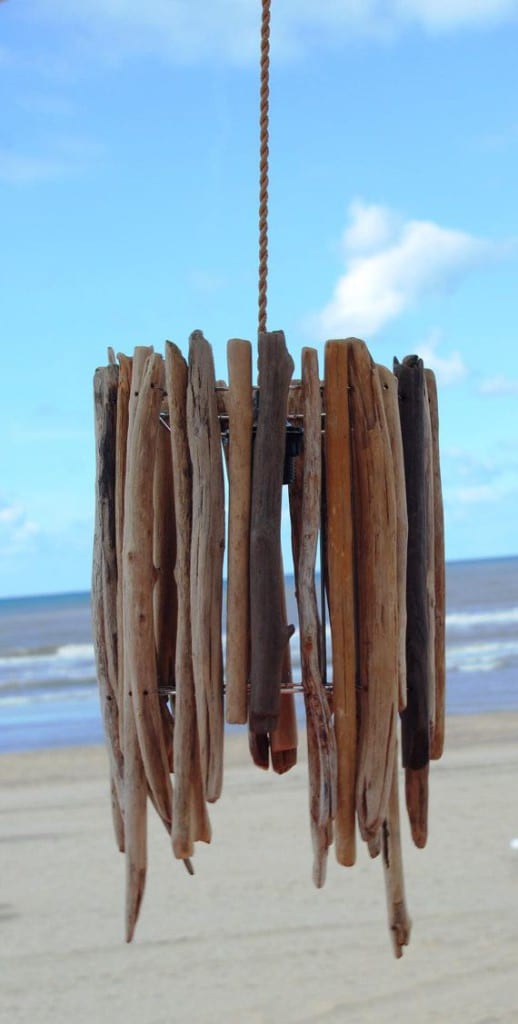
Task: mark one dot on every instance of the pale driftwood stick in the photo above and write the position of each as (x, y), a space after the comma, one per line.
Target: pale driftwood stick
(207, 547)
(123, 393)
(164, 594)
(240, 421)
(341, 592)
(269, 633)
(190, 819)
(135, 817)
(284, 739)
(437, 743)
(320, 734)
(104, 582)
(374, 507)
(430, 557)
(415, 721)
(138, 579)
(390, 401)
(398, 917)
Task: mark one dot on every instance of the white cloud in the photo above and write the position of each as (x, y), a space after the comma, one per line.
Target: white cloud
(64, 156)
(192, 30)
(499, 385)
(448, 369)
(410, 261)
(17, 530)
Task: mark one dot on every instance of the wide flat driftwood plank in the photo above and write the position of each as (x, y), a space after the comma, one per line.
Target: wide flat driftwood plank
(207, 548)
(374, 507)
(190, 818)
(437, 743)
(138, 580)
(341, 591)
(240, 422)
(320, 733)
(398, 917)
(104, 582)
(390, 401)
(415, 719)
(269, 632)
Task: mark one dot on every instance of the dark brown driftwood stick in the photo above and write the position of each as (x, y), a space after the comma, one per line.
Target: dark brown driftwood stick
(437, 745)
(390, 401)
(207, 547)
(269, 633)
(138, 579)
(374, 506)
(123, 396)
(104, 581)
(430, 557)
(399, 920)
(190, 819)
(320, 734)
(341, 591)
(415, 719)
(240, 420)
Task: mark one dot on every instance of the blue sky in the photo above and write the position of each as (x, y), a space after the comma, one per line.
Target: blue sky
(128, 209)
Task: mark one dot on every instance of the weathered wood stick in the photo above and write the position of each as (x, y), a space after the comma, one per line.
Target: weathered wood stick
(430, 556)
(123, 395)
(259, 746)
(138, 579)
(104, 582)
(164, 593)
(269, 633)
(320, 734)
(398, 917)
(190, 818)
(240, 422)
(207, 547)
(390, 401)
(375, 524)
(341, 591)
(284, 739)
(437, 743)
(415, 719)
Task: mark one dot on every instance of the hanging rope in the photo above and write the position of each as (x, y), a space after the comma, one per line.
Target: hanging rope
(263, 162)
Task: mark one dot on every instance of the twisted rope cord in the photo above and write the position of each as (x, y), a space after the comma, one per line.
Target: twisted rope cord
(263, 162)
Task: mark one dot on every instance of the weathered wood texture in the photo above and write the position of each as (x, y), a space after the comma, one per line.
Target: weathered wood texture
(320, 734)
(104, 581)
(207, 548)
(390, 401)
(430, 557)
(437, 743)
(164, 592)
(240, 422)
(375, 522)
(341, 591)
(398, 917)
(138, 580)
(269, 633)
(123, 395)
(190, 818)
(415, 719)
(284, 739)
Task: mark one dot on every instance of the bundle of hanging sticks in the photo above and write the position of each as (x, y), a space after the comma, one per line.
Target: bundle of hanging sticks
(366, 481)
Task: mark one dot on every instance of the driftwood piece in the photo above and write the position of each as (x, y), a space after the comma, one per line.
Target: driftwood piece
(415, 719)
(269, 633)
(390, 401)
(190, 818)
(164, 593)
(123, 395)
(398, 917)
(138, 579)
(374, 508)
(240, 421)
(104, 582)
(320, 734)
(430, 556)
(437, 742)
(341, 591)
(284, 739)
(207, 548)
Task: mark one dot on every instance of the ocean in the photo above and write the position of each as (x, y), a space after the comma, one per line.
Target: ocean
(48, 690)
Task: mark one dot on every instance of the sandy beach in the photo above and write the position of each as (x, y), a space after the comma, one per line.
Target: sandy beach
(249, 939)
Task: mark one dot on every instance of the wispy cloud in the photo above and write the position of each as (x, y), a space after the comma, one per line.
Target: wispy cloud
(450, 367)
(17, 530)
(192, 30)
(473, 480)
(60, 158)
(499, 385)
(391, 264)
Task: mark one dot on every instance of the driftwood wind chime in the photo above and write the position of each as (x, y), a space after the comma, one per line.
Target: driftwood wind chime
(359, 453)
